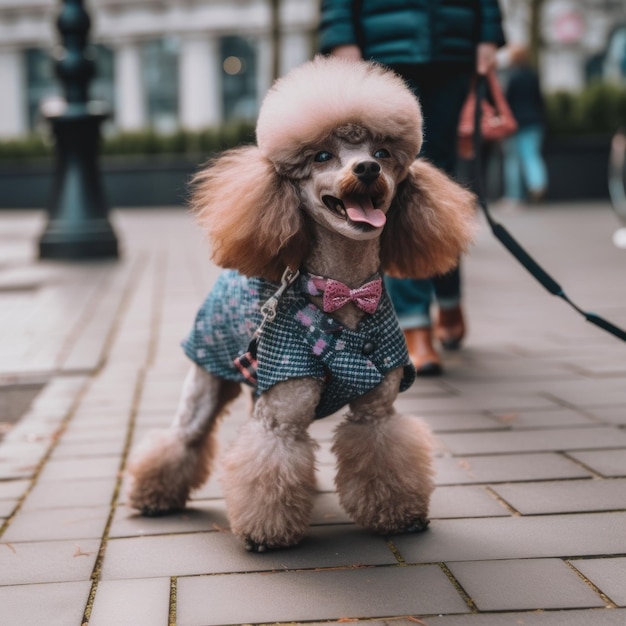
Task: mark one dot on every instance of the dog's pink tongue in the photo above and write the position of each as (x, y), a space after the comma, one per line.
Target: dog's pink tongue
(361, 209)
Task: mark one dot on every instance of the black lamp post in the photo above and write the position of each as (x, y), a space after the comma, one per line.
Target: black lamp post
(78, 225)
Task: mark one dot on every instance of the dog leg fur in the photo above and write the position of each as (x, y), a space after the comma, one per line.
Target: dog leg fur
(384, 467)
(169, 463)
(269, 472)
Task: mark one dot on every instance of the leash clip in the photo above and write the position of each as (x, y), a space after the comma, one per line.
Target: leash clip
(247, 363)
(270, 308)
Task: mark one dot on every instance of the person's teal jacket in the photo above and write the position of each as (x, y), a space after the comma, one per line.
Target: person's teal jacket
(411, 31)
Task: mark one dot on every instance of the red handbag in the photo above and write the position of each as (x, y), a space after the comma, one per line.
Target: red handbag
(496, 122)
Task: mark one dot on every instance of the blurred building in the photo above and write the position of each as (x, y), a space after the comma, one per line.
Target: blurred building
(167, 64)
(162, 64)
(580, 39)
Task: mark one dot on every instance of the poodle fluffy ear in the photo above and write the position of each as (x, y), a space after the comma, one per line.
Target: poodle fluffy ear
(250, 213)
(429, 224)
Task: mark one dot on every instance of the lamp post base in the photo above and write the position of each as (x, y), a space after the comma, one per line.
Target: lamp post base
(78, 225)
(93, 240)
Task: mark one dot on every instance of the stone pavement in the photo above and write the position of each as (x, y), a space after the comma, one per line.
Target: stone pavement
(529, 517)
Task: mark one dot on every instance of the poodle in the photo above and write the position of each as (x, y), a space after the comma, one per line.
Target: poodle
(305, 223)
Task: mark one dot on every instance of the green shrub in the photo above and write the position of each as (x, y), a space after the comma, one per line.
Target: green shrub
(192, 144)
(31, 147)
(600, 108)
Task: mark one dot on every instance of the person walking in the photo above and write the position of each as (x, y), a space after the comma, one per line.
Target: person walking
(436, 46)
(525, 173)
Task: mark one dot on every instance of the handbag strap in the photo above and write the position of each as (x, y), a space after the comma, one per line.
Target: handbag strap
(495, 89)
(510, 243)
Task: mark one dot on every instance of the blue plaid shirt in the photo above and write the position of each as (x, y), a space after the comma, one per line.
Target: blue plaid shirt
(302, 341)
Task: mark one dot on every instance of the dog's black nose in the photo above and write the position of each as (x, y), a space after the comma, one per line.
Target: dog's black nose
(366, 171)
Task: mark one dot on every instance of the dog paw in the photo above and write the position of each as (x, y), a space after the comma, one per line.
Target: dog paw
(152, 502)
(418, 525)
(253, 546)
(156, 511)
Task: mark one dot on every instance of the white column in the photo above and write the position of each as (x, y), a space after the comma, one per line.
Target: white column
(295, 50)
(12, 103)
(200, 82)
(263, 66)
(130, 111)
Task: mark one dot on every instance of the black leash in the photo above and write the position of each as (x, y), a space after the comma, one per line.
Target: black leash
(510, 243)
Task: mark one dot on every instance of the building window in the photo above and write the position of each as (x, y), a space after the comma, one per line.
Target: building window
(101, 87)
(160, 82)
(44, 90)
(41, 83)
(239, 73)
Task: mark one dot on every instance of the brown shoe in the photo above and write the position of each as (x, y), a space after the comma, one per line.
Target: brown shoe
(421, 352)
(450, 328)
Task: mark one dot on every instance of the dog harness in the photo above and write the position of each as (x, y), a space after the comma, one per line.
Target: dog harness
(300, 342)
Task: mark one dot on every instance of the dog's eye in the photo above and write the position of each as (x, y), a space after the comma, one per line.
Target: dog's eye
(323, 156)
(382, 154)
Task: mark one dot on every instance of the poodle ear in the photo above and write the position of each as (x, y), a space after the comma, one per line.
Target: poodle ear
(251, 214)
(429, 224)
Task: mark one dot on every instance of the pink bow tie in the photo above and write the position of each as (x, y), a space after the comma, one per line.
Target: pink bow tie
(366, 297)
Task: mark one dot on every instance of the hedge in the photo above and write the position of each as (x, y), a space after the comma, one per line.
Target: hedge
(598, 109)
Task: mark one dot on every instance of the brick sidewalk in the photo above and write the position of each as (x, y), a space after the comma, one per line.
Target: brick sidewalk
(529, 517)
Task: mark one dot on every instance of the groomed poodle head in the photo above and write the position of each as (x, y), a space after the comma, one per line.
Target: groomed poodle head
(313, 102)
(337, 142)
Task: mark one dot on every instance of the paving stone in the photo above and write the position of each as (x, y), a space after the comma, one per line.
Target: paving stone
(12, 470)
(140, 602)
(600, 366)
(324, 455)
(609, 463)
(481, 365)
(591, 393)
(220, 552)
(449, 502)
(534, 396)
(80, 469)
(47, 561)
(153, 418)
(574, 617)
(211, 490)
(325, 478)
(25, 451)
(80, 449)
(507, 468)
(479, 403)
(524, 584)
(441, 422)
(52, 604)
(54, 494)
(427, 388)
(59, 394)
(199, 516)
(327, 510)
(88, 434)
(556, 418)
(608, 574)
(516, 538)
(6, 507)
(53, 524)
(565, 496)
(324, 429)
(561, 439)
(41, 432)
(460, 423)
(331, 594)
(610, 414)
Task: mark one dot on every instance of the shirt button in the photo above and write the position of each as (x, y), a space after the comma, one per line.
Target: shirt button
(368, 348)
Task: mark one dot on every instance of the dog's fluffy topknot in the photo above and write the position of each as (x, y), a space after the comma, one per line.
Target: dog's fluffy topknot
(304, 107)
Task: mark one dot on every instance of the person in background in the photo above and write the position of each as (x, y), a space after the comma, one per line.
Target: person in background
(525, 174)
(436, 46)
